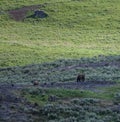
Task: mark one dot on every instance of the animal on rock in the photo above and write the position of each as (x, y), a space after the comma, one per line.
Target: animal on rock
(81, 77)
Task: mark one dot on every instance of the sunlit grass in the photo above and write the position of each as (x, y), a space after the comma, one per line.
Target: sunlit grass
(74, 29)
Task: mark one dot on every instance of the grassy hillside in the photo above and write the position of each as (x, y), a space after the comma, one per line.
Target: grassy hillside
(96, 69)
(58, 97)
(78, 36)
(73, 29)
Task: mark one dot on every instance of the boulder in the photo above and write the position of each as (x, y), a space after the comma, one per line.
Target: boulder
(40, 14)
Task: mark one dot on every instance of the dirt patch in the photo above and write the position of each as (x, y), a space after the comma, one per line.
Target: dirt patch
(20, 14)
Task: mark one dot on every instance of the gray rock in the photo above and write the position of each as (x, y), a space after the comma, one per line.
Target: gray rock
(39, 14)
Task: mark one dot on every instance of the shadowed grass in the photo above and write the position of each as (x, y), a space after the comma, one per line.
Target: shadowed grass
(96, 69)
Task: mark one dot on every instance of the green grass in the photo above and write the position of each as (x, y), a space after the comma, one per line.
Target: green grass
(35, 95)
(74, 29)
(76, 104)
(41, 96)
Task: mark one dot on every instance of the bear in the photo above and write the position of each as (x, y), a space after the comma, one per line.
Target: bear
(35, 83)
(81, 77)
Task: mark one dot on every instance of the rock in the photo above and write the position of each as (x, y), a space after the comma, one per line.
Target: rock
(39, 14)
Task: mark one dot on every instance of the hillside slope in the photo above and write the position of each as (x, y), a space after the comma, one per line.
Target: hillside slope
(73, 29)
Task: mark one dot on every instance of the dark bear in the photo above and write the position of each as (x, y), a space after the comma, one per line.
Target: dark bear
(35, 83)
(81, 77)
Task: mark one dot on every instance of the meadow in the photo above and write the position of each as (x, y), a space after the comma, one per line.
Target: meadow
(77, 36)
(73, 29)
